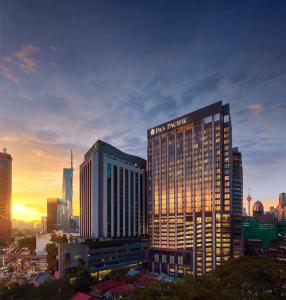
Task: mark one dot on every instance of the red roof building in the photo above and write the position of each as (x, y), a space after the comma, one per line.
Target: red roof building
(100, 289)
(84, 296)
(122, 290)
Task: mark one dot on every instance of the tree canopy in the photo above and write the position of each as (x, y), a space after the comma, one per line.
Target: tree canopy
(243, 278)
(54, 289)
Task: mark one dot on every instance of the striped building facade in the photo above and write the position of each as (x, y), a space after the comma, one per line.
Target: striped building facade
(112, 193)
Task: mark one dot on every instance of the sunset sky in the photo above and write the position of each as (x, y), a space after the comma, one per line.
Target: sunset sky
(73, 72)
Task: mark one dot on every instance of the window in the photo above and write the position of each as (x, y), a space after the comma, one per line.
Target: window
(180, 260)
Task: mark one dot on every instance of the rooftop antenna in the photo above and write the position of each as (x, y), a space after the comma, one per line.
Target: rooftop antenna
(71, 160)
(5, 150)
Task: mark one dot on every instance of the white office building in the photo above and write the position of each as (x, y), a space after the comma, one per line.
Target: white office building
(112, 193)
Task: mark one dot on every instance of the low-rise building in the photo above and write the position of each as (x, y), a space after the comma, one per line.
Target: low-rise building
(41, 241)
(262, 228)
(98, 255)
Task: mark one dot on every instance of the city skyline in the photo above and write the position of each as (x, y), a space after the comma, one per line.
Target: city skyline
(128, 67)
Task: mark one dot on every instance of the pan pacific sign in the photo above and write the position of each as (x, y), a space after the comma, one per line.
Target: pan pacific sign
(168, 126)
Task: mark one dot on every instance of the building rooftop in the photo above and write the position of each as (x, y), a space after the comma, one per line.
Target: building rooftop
(105, 286)
(122, 289)
(84, 296)
(194, 116)
(100, 146)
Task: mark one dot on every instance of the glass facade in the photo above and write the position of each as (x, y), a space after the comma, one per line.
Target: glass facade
(57, 214)
(189, 192)
(112, 193)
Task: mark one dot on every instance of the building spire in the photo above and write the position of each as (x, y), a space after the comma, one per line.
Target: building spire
(71, 160)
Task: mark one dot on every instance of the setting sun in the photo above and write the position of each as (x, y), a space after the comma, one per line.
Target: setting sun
(22, 212)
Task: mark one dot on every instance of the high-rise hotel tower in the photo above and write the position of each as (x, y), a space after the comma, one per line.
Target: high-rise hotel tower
(112, 193)
(190, 192)
(5, 196)
(237, 207)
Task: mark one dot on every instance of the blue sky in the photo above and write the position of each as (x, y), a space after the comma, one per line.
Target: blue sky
(72, 72)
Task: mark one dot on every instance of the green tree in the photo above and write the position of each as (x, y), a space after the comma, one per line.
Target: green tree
(18, 292)
(248, 278)
(83, 280)
(55, 290)
(51, 249)
(61, 239)
(254, 275)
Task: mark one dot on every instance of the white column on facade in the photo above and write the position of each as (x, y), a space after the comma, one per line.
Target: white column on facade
(176, 194)
(112, 201)
(168, 194)
(134, 203)
(213, 197)
(129, 202)
(80, 204)
(203, 200)
(104, 204)
(160, 187)
(118, 200)
(139, 199)
(194, 267)
(124, 204)
(184, 192)
(84, 200)
(152, 193)
(88, 187)
(144, 204)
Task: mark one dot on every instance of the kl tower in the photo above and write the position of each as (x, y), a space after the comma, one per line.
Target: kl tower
(248, 200)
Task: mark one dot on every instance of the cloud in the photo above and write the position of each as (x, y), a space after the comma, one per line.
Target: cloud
(6, 72)
(54, 48)
(24, 60)
(21, 60)
(47, 134)
(255, 108)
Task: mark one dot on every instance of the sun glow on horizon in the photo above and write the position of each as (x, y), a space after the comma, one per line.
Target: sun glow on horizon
(24, 213)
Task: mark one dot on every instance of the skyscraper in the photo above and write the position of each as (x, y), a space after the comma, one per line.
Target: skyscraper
(112, 193)
(237, 202)
(67, 189)
(257, 209)
(5, 196)
(57, 218)
(43, 224)
(190, 192)
(281, 208)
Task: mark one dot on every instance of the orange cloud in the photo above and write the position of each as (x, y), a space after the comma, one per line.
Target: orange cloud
(255, 108)
(25, 62)
(21, 60)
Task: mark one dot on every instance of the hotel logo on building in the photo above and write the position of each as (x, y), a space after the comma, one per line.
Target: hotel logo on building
(168, 126)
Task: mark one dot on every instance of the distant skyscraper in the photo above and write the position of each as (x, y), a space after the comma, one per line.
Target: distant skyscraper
(5, 196)
(258, 209)
(248, 199)
(57, 218)
(237, 202)
(43, 224)
(190, 192)
(112, 193)
(273, 211)
(67, 189)
(281, 208)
